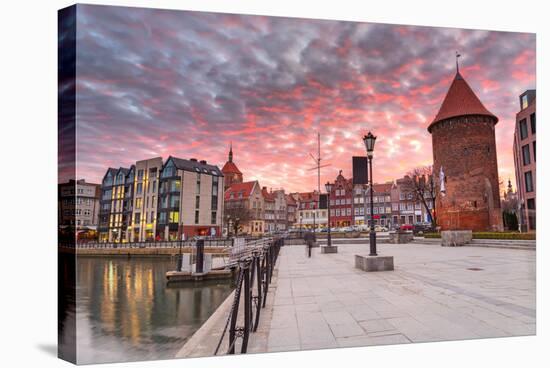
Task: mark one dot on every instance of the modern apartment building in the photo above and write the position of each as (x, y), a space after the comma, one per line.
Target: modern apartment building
(79, 204)
(525, 156)
(144, 213)
(116, 204)
(190, 199)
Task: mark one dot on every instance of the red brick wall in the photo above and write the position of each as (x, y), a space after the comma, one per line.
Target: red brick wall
(466, 148)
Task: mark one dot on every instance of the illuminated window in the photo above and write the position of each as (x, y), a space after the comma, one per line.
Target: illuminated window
(174, 217)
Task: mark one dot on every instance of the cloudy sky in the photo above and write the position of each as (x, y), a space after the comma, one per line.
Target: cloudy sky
(160, 83)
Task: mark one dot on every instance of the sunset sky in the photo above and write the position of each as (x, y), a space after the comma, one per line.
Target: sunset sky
(159, 83)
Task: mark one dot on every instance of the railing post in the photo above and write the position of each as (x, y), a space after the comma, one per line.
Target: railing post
(235, 313)
(247, 307)
(258, 266)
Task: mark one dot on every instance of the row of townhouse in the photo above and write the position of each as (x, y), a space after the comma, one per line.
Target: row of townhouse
(156, 200)
(393, 205)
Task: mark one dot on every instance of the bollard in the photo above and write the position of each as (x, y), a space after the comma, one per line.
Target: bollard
(200, 256)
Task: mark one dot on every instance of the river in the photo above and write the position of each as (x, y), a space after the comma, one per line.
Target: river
(126, 312)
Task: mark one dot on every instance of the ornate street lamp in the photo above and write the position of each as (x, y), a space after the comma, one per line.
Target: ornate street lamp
(369, 141)
(328, 187)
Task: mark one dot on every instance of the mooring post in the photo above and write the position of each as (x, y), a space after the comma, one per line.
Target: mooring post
(200, 256)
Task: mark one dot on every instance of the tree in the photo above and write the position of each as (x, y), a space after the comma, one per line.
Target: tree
(422, 183)
(236, 214)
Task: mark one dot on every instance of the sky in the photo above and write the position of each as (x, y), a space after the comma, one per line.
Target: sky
(174, 83)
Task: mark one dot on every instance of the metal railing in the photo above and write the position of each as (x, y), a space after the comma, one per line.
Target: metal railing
(254, 262)
(156, 244)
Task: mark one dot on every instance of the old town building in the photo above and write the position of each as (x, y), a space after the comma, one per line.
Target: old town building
(341, 202)
(464, 150)
(525, 156)
(309, 215)
(244, 205)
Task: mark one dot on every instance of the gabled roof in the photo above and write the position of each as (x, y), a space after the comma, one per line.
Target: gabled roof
(230, 168)
(195, 166)
(267, 195)
(460, 101)
(382, 188)
(290, 199)
(246, 188)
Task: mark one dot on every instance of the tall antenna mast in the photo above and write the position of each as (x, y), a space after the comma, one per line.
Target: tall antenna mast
(317, 161)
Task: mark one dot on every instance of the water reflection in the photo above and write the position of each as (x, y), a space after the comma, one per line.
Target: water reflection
(125, 311)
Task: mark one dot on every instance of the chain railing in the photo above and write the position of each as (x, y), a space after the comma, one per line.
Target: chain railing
(255, 262)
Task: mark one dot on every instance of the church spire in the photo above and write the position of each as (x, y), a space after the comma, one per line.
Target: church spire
(230, 159)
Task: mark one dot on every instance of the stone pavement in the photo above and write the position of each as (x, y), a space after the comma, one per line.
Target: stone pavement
(434, 294)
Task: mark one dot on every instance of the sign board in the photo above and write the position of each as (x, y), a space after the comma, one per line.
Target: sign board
(323, 201)
(360, 174)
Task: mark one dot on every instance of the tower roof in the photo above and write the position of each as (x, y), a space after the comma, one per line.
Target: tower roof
(230, 168)
(460, 101)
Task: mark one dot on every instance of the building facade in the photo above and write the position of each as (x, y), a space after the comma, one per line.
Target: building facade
(244, 205)
(341, 202)
(464, 149)
(308, 213)
(525, 155)
(190, 199)
(116, 204)
(144, 211)
(281, 211)
(79, 204)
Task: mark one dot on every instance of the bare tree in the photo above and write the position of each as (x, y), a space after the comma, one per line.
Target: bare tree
(237, 214)
(422, 183)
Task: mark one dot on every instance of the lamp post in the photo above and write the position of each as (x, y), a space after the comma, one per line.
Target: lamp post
(369, 141)
(328, 187)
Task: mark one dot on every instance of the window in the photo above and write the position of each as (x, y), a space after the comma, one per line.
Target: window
(523, 129)
(214, 203)
(175, 185)
(535, 151)
(524, 102)
(139, 188)
(196, 217)
(528, 181)
(531, 213)
(174, 201)
(140, 174)
(162, 218)
(418, 218)
(411, 219)
(139, 202)
(153, 173)
(533, 120)
(174, 217)
(197, 202)
(213, 219)
(137, 218)
(526, 155)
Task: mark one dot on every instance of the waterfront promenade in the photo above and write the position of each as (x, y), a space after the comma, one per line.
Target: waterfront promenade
(435, 294)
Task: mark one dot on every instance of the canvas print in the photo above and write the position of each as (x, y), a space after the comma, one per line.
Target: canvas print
(236, 184)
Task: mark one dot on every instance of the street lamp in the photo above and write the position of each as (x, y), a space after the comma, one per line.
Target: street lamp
(369, 141)
(328, 187)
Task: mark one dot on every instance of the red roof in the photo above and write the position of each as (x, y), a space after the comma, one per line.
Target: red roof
(237, 188)
(382, 188)
(460, 101)
(230, 168)
(267, 195)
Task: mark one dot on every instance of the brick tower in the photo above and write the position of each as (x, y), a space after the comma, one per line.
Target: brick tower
(464, 148)
(230, 171)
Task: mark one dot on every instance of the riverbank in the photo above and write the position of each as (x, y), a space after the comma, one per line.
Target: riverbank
(126, 252)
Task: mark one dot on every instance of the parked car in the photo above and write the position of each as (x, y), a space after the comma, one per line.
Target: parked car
(406, 227)
(379, 228)
(423, 227)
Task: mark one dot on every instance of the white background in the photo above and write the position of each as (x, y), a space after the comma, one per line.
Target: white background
(28, 91)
